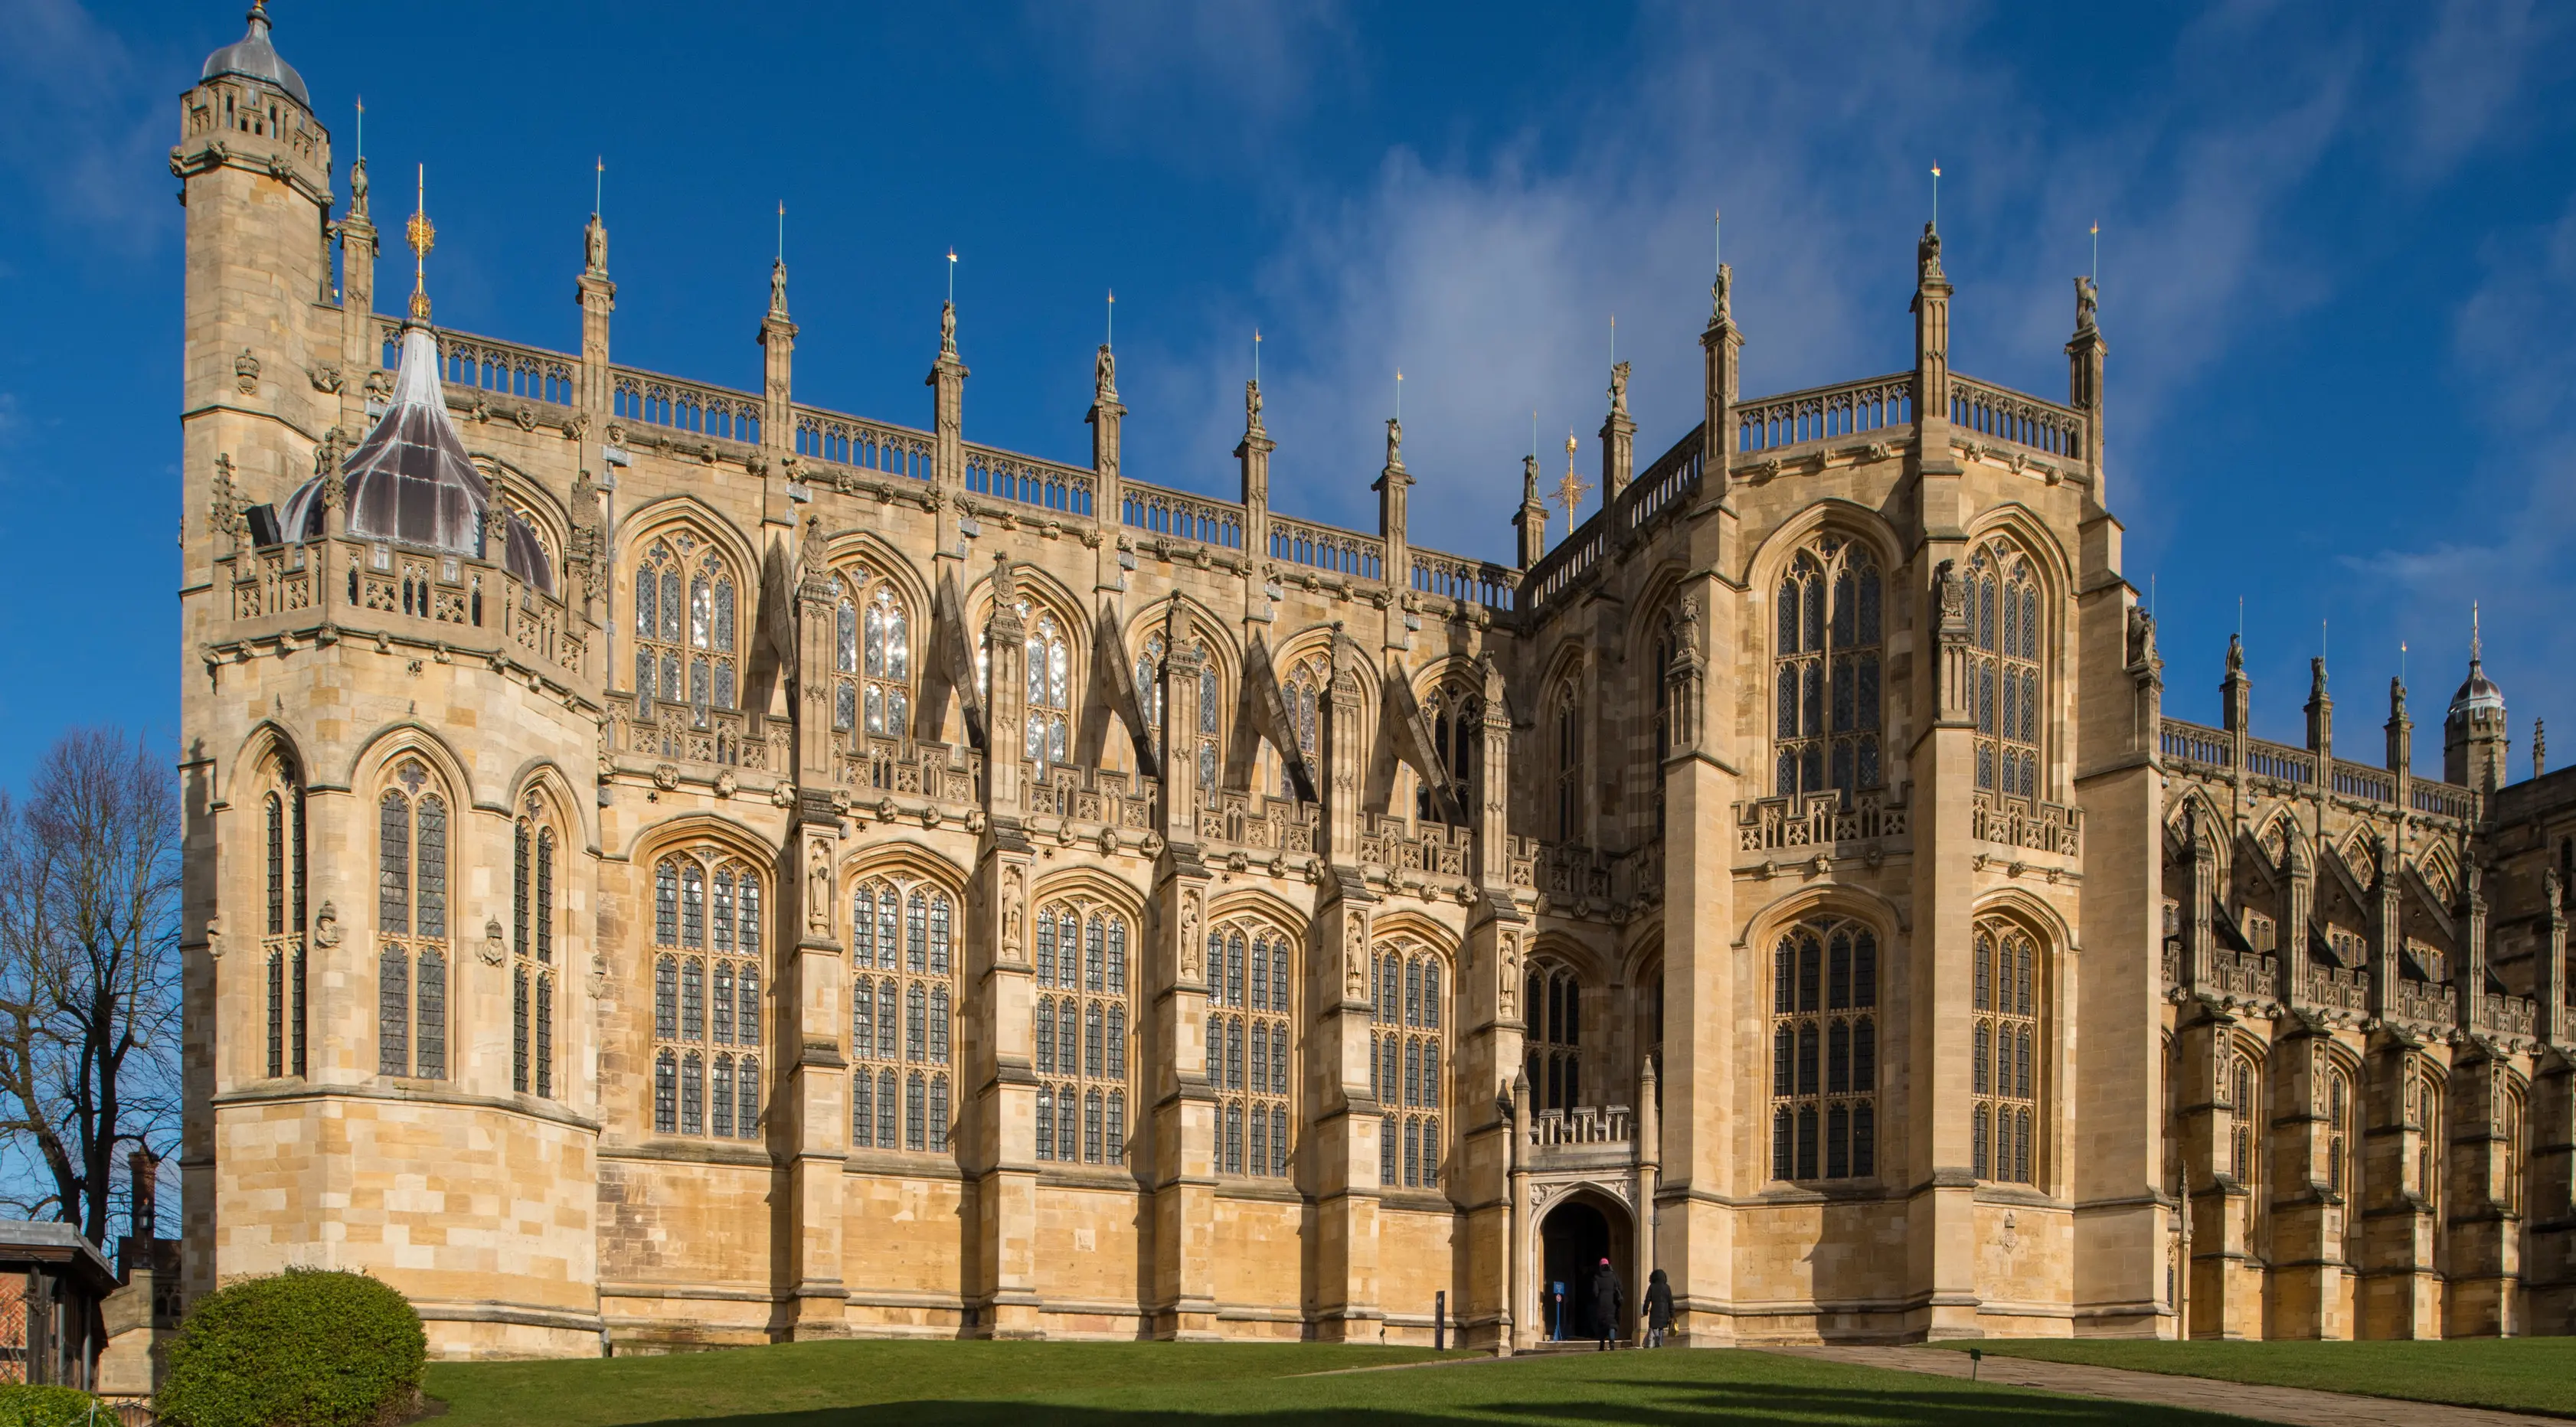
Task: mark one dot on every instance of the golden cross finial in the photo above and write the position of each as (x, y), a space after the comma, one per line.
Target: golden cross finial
(421, 235)
(1571, 491)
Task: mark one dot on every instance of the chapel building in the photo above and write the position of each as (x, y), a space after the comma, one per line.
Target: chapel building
(680, 865)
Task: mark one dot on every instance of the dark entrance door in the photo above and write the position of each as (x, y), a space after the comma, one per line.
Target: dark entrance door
(1574, 1239)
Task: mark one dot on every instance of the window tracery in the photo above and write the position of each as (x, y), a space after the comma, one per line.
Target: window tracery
(1081, 1034)
(282, 829)
(1455, 713)
(2003, 613)
(1406, 1055)
(903, 989)
(1307, 693)
(684, 627)
(532, 951)
(1825, 670)
(1555, 1036)
(411, 924)
(871, 656)
(2004, 1079)
(1149, 694)
(1824, 1051)
(1567, 719)
(709, 974)
(1049, 662)
(1249, 1046)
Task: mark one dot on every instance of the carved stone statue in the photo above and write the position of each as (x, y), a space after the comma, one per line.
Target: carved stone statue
(1104, 372)
(778, 288)
(1927, 253)
(1949, 592)
(594, 245)
(1394, 441)
(948, 327)
(494, 950)
(358, 187)
(818, 890)
(1619, 388)
(2087, 298)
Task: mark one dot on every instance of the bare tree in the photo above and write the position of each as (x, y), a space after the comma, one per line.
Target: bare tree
(89, 974)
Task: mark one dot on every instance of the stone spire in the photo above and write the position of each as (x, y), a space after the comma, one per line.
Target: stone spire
(1394, 493)
(1531, 522)
(1932, 356)
(2320, 709)
(1618, 438)
(2235, 692)
(597, 297)
(1107, 419)
(2084, 359)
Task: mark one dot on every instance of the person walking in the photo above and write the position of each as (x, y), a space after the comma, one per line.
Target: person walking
(1608, 1294)
(1659, 1309)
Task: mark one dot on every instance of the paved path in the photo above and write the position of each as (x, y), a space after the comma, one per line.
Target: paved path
(2269, 1404)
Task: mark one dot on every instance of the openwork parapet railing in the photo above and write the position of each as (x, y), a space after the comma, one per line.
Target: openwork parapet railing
(1980, 409)
(2200, 748)
(829, 436)
(1824, 413)
(2022, 822)
(1181, 516)
(1028, 481)
(1815, 821)
(1584, 1125)
(1478, 582)
(1321, 547)
(1258, 822)
(900, 765)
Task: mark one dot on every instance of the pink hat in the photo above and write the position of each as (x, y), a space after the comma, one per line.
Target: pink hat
(1605, 1263)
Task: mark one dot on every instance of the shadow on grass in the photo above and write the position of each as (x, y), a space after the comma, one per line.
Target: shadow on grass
(1661, 1402)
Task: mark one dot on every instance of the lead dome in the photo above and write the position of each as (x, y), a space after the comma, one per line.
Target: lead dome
(254, 57)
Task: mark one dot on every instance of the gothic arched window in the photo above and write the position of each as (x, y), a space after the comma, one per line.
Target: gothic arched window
(2010, 1056)
(1406, 1059)
(1456, 717)
(1567, 725)
(1250, 1049)
(710, 979)
(871, 657)
(1555, 1036)
(1307, 693)
(1825, 670)
(1149, 695)
(2004, 624)
(903, 995)
(532, 951)
(1824, 1051)
(684, 627)
(283, 947)
(411, 924)
(1081, 1034)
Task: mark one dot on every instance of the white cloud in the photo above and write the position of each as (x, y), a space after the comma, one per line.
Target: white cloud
(1491, 278)
(2464, 76)
(1197, 78)
(103, 124)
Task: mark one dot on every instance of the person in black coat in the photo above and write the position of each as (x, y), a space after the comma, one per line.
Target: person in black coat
(1608, 1294)
(1659, 1309)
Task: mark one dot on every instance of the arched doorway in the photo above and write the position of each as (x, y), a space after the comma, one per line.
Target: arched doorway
(1576, 1235)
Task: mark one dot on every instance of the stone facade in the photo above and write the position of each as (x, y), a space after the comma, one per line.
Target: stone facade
(877, 884)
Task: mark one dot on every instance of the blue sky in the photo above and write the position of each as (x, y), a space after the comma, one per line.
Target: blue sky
(2338, 263)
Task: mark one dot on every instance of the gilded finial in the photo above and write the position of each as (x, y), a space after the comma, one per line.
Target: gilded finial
(421, 235)
(1571, 491)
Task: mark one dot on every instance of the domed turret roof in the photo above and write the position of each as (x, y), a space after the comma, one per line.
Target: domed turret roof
(253, 57)
(2477, 693)
(411, 482)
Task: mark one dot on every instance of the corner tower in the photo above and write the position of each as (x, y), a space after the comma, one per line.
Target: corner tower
(2473, 732)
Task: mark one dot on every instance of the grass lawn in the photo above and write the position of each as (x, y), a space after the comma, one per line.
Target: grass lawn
(2515, 1374)
(1098, 1384)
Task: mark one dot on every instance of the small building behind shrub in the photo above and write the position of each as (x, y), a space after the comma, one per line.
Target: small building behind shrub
(52, 1281)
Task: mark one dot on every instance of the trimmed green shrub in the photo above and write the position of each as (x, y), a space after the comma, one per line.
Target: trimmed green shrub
(24, 1406)
(305, 1348)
